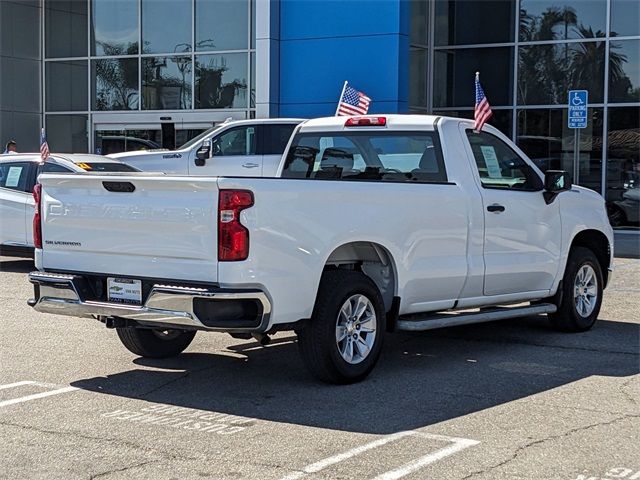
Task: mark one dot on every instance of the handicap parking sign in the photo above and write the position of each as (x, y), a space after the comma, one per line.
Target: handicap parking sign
(578, 100)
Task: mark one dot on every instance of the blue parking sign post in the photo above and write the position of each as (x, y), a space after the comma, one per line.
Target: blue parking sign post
(577, 120)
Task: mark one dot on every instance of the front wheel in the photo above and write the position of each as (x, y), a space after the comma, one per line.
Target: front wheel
(344, 339)
(155, 343)
(581, 292)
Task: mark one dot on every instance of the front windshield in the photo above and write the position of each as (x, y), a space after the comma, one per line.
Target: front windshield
(195, 140)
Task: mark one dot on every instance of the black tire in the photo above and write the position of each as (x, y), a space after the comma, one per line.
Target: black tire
(568, 318)
(317, 341)
(151, 343)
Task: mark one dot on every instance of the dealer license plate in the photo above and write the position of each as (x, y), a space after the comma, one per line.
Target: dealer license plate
(124, 290)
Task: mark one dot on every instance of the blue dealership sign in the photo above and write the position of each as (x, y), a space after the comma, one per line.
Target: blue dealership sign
(578, 100)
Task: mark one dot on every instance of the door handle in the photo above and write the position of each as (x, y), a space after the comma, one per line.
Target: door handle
(250, 165)
(495, 208)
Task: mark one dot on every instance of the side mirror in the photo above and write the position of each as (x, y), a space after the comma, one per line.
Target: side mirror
(203, 153)
(555, 182)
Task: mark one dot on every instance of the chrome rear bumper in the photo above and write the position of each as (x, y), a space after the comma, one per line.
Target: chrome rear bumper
(165, 305)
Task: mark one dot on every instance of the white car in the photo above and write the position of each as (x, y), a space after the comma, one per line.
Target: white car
(374, 224)
(18, 175)
(241, 148)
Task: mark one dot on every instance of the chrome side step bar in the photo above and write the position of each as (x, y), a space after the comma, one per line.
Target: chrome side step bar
(419, 322)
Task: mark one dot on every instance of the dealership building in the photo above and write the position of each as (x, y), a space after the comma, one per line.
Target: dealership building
(107, 75)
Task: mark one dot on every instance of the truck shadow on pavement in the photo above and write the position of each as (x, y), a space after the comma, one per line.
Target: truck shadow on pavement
(16, 265)
(421, 379)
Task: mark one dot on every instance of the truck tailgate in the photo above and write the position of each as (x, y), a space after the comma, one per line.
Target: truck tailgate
(166, 228)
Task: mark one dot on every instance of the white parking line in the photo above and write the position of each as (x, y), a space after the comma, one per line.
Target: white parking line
(17, 384)
(458, 445)
(35, 396)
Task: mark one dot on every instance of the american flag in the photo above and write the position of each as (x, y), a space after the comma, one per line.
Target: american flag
(44, 146)
(483, 109)
(353, 102)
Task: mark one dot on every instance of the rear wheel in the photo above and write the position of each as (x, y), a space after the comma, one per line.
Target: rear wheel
(581, 292)
(344, 339)
(155, 343)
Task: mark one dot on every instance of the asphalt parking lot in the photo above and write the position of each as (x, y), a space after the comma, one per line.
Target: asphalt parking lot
(494, 401)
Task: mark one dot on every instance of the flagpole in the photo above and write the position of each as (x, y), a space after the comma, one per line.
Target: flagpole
(344, 87)
(475, 106)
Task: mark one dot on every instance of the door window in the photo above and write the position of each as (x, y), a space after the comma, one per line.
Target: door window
(16, 176)
(500, 166)
(276, 137)
(236, 141)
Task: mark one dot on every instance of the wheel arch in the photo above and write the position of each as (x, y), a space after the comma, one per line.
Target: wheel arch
(598, 243)
(372, 259)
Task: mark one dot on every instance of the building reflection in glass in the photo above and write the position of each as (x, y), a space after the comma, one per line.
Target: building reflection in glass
(623, 167)
(547, 72)
(166, 83)
(115, 84)
(221, 81)
(543, 134)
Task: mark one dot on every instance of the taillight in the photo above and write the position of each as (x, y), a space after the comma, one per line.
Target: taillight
(37, 228)
(233, 237)
(366, 122)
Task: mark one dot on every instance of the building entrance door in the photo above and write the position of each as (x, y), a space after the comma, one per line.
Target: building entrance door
(114, 132)
(115, 138)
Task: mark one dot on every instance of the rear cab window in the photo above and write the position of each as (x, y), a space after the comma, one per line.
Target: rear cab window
(369, 156)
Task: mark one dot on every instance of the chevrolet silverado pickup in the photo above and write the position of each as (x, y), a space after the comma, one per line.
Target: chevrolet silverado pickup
(374, 224)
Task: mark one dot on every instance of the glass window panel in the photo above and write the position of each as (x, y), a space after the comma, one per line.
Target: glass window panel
(67, 133)
(464, 22)
(454, 76)
(624, 71)
(166, 83)
(221, 81)
(418, 77)
(501, 119)
(66, 28)
(156, 36)
(114, 27)
(547, 72)
(562, 19)
(544, 136)
(115, 84)
(20, 29)
(66, 86)
(625, 17)
(419, 22)
(222, 25)
(623, 167)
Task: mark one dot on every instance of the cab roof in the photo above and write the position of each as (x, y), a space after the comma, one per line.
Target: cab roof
(393, 122)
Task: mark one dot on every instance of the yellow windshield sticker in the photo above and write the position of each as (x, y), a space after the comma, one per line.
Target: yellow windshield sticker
(84, 166)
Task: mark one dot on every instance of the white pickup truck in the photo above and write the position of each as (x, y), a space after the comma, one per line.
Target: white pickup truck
(241, 148)
(374, 224)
